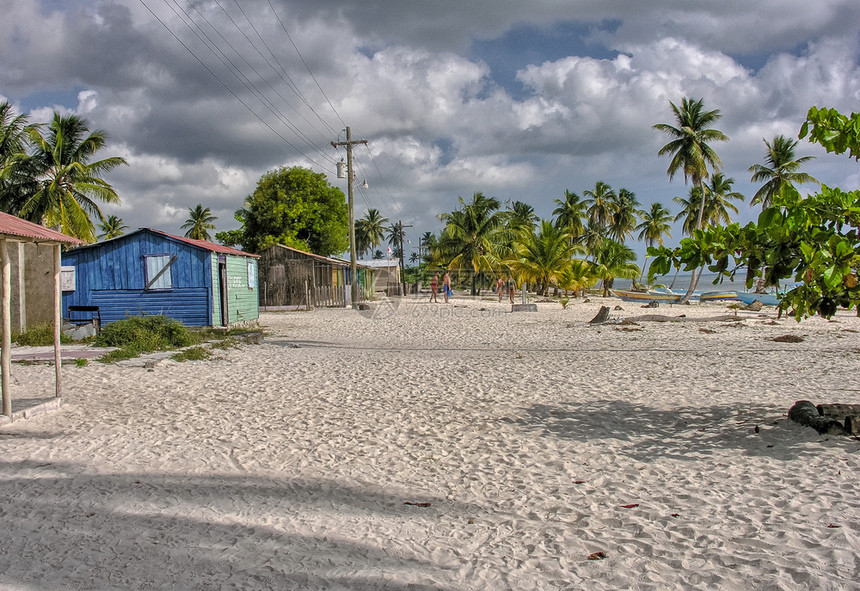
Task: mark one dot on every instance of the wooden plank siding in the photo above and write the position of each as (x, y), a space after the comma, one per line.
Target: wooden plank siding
(112, 276)
(293, 278)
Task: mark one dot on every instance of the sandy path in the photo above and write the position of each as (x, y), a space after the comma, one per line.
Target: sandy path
(287, 465)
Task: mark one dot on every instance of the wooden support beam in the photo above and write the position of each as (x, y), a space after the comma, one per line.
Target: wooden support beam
(6, 353)
(58, 305)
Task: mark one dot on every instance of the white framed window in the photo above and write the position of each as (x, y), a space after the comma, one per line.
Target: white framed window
(157, 271)
(252, 274)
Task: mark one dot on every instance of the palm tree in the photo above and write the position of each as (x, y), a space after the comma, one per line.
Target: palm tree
(199, 223)
(112, 227)
(542, 257)
(469, 238)
(569, 214)
(521, 216)
(716, 207)
(691, 153)
(592, 238)
(656, 223)
(362, 241)
(780, 171)
(623, 220)
(373, 228)
(578, 276)
(69, 183)
(614, 259)
(600, 202)
(16, 178)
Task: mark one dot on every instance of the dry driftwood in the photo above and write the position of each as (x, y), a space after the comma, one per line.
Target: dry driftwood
(663, 318)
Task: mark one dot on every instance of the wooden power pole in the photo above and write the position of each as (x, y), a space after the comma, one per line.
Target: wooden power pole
(353, 269)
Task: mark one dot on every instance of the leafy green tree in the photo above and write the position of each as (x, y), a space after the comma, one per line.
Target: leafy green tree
(601, 204)
(834, 131)
(781, 170)
(542, 257)
(656, 223)
(614, 260)
(298, 208)
(17, 179)
(691, 152)
(570, 213)
(112, 227)
(199, 223)
(470, 238)
(69, 181)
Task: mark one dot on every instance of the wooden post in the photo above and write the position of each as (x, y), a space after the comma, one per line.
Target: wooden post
(58, 304)
(6, 354)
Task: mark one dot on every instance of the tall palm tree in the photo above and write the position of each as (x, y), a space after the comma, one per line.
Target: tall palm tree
(16, 176)
(781, 170)
(69, 181)
(691, 152)
(614, 260)
(362, 241)
(623, 220)
(656, 223)
(593, 237)
(569, 214)
(199, 223)
(601, 204)
(542, 257)
(112, 227)
(470, 236)
(373, 227)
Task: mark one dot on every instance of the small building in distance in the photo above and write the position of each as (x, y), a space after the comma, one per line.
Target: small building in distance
(387, 275)
(292, 279)
(150, 272)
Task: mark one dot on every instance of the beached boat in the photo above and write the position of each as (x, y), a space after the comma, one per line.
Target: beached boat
(767, 299)
(646, 296)
(718, 296)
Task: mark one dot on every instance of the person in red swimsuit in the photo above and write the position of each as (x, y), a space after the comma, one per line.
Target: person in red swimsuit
(434, 287)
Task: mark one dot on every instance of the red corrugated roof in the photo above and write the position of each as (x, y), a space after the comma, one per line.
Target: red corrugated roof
(14, 226)
(206, 245)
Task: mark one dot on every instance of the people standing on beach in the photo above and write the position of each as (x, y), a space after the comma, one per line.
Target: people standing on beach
(446, 282)
(500, 288)
(511, 289)
(434, 287)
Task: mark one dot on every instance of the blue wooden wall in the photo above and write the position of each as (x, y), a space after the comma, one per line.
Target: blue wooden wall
(111, 275)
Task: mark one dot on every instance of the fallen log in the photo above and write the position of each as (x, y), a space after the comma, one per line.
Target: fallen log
(663, 318)
(601, 317)
(805, 413)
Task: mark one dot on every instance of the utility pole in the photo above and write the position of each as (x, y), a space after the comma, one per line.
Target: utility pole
(353, 269)
(400, 227)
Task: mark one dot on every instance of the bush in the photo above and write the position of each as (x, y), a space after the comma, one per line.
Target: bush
(39, 336)
(144, 334)
(193, 354)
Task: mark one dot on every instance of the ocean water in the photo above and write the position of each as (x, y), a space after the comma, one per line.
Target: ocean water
(682, 282)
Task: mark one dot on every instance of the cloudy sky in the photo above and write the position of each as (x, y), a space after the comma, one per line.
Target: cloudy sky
(518, 100)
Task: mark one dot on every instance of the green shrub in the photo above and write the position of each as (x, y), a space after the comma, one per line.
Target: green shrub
(193, 354)
(39, 336)
(142, 334)
(81, 362)
(145, 333)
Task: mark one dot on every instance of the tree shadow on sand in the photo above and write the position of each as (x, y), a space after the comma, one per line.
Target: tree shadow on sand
(682, 433)
(66, 529)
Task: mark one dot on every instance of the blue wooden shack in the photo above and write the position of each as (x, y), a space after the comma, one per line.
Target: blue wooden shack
(150, 272)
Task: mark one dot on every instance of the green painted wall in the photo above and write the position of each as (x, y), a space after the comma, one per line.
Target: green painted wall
(242, 298)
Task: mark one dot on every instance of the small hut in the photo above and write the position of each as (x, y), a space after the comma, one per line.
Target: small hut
(387, 272)
(30, 286)
(299, 280)
(145, 272)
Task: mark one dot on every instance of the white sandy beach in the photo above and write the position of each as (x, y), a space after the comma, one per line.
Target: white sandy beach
(288, 465)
